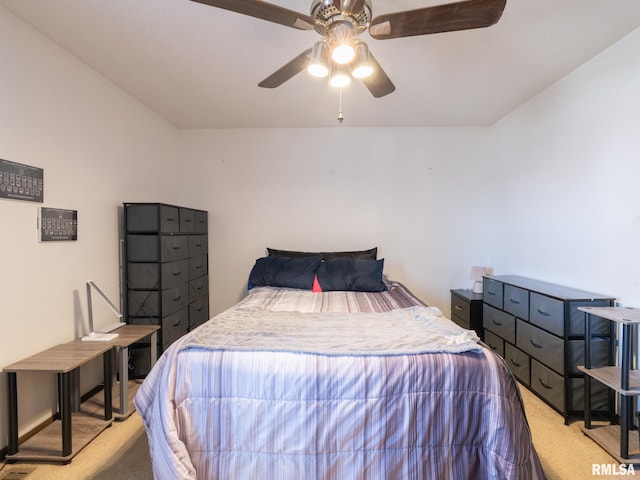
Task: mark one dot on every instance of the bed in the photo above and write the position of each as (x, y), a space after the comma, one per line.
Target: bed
(335, 383)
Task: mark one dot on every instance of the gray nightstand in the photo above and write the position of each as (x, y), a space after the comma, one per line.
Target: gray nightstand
(466, 310)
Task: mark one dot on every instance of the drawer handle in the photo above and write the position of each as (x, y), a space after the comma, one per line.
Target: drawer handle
(543, 313)
(515, 364)
(169, 219)
(176, 274)
(491, 293)
(176, 247)
(177, 298)
(493, 347)
(514, 301)
(535, 344)
(178, 323)
(496, 323)
(187, 220)
(548, 387)
(198, 267)
(458, 307)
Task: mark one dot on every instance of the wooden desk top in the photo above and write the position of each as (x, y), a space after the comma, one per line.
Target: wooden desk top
(616, 314)
(62, 358)
(66, 357)
(129, 334)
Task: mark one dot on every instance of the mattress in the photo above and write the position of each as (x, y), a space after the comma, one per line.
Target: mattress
(322, 394)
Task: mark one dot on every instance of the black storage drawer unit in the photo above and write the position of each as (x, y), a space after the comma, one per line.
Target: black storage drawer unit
(166, 269)
(537, 327)
(466, 310)
(153, 218)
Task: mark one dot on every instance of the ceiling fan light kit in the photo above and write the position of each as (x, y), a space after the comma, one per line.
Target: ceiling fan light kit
(340, 52)
(340, 77)
(319, 60)
(362, 66)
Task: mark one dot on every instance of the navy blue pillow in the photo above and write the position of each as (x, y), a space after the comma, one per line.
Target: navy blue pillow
(284, 272)
(370, 254)
(351, 274)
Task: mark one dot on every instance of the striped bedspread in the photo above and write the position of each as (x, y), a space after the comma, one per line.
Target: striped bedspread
(220, 413)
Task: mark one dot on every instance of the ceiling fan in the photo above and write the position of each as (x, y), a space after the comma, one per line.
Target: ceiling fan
(340, 54)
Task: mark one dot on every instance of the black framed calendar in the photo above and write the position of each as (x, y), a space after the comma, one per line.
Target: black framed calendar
(21, 182)
(57, 224)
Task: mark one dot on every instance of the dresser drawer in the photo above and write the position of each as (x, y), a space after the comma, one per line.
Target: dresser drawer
(461, 322)
(516, 301)
(599, 326)
(494, 342)
(461, 308)
(154, 248)
(547, 313)
(599, 353)
(174, 326)
(198, 245)
(157, 302)
(492, 292)
(198, 288)
(599, 395)
(187, 220)
(151, 276)
(197, 266)
(547, 348)
(518, 363)
(152, 218)
(198, 312)
(547, 384)
(201, 221)
(499, 322)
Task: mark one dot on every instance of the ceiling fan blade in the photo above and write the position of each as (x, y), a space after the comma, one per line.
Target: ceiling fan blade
(465, 15)
(378, 83)
(287, 71)
(264, 11)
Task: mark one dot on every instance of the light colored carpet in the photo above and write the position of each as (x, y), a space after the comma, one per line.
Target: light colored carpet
(565, 452)
(121, 451)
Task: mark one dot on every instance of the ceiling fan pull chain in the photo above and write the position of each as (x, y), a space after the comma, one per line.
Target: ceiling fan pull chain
(340, 116)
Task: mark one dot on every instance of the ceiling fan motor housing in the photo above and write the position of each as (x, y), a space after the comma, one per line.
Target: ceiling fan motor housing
(328, 13)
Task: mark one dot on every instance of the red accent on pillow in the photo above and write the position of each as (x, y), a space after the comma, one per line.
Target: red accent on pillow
(316, 285)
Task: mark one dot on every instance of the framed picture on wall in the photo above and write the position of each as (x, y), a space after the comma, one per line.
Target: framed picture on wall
(57, 225)
(21, 182)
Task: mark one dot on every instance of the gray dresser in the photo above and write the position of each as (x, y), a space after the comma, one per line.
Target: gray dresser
(165, 271)
(537, 327)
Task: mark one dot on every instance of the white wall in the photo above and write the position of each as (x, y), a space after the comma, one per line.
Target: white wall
(565, 191)
(98, 148)
(416, 194)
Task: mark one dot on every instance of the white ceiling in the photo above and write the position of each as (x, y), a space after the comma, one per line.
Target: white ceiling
(199, 66)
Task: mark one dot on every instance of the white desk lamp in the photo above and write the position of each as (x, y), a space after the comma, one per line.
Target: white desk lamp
(476, 276)
(102, 335)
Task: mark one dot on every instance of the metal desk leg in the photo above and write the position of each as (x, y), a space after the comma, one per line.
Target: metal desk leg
(625, 401)
(154, 347)
(123, 363)
(107, 359)
(64, 391)
(587, 364)
(13, 412)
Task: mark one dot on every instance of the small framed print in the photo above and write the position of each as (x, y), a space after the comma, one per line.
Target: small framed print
(57, 225)
(21, 182)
